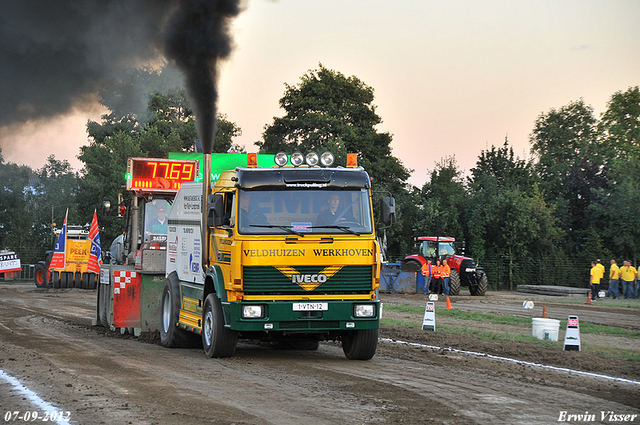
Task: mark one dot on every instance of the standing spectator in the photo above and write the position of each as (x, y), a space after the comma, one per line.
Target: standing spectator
(446, 272)
(628, 275)
(596, 275)
(614, 279)
(426, 272)
(436, 272)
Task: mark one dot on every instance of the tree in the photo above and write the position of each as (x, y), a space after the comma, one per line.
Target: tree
(507, 214)
(619, 127)
(330, 112)
(167, 125)
(54, 191)
(15, 216)
(444, 198)
(571, 165)
(616, 214)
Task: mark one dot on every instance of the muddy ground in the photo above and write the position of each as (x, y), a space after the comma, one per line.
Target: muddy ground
(99, 376)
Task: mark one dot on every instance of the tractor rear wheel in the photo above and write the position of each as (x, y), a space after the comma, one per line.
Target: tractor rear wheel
(454, 283)
(41, 276)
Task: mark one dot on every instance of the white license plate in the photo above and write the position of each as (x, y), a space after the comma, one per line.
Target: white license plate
(310, 306)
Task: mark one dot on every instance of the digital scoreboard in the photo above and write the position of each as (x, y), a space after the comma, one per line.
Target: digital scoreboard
(159, 175)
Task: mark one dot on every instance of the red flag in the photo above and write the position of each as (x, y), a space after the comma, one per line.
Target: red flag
(59, 257)
(95, 256)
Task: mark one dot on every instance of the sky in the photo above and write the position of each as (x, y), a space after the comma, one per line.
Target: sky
(450, 78)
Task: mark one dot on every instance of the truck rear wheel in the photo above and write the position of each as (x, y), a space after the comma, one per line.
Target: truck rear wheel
(217, 340)
(55, 277)
(66, 280)
(170, 334)
(361, 344)
(454, 283)
(41, 276)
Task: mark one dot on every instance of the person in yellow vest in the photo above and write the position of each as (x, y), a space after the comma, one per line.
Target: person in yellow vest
(446, 272)
(628, 275)
(426, 272)
(597, 273)
(614, 280)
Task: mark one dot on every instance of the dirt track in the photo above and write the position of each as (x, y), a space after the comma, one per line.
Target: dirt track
(99, 376)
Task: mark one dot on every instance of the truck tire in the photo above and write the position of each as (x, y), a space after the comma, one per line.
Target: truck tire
(41, 276)
(77, 280)
(93, 280)
(217, 340)
(361, 344)
(85, 280)
(454, 283)
(65, 280)
(170, 334)
(55, 277)
(481, 290)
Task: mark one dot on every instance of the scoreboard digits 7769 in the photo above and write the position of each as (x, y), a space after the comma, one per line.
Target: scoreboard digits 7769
(159, 175)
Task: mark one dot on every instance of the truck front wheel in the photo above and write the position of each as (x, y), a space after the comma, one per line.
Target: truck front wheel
(361, 344)
(454, 283)
(217, 340)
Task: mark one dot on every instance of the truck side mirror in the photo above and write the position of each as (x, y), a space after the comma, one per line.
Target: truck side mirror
(216, 209)
(388, 209)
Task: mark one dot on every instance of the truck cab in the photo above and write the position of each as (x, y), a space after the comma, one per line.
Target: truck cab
(290, 257)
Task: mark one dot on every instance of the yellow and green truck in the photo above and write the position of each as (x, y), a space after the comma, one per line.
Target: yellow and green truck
(286, 254)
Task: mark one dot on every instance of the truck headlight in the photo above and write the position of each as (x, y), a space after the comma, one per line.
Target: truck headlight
(364, 310)
(252, 312)
(470, 270)
(281, 159)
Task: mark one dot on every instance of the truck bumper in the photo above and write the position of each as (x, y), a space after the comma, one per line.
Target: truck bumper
(281, 316)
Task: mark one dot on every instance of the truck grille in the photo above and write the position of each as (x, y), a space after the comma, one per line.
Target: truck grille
(269, 280)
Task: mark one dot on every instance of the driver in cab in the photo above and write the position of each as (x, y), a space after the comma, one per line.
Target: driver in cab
(333, 215)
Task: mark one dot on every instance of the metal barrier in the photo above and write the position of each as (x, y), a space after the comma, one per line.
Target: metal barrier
(28, 272)
(394, 280)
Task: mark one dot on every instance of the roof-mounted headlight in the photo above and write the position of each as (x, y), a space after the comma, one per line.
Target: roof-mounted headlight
(326, 159)
(281, 159)
(297, 159)
(312, 159)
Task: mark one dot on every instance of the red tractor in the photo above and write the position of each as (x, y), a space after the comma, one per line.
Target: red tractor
(464, 271)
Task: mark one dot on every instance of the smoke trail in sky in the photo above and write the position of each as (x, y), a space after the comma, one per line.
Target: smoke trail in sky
(56, 56)
(197, 39)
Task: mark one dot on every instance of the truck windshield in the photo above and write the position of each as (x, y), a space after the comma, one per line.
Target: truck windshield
(304, 212)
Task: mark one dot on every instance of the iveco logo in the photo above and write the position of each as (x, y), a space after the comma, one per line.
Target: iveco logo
(309, 278)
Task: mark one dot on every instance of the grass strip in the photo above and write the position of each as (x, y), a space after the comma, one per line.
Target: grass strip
(585, 327)
(619, 353)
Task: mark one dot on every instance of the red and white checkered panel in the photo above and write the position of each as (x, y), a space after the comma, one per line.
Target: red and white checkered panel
(122, 277)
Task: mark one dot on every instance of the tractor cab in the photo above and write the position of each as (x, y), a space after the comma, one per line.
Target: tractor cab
(432, 249)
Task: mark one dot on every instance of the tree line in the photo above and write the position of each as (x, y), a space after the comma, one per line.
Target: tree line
(539, 219)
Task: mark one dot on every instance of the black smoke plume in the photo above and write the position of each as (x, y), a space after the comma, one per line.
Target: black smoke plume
(55, 56)
(198, 38)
